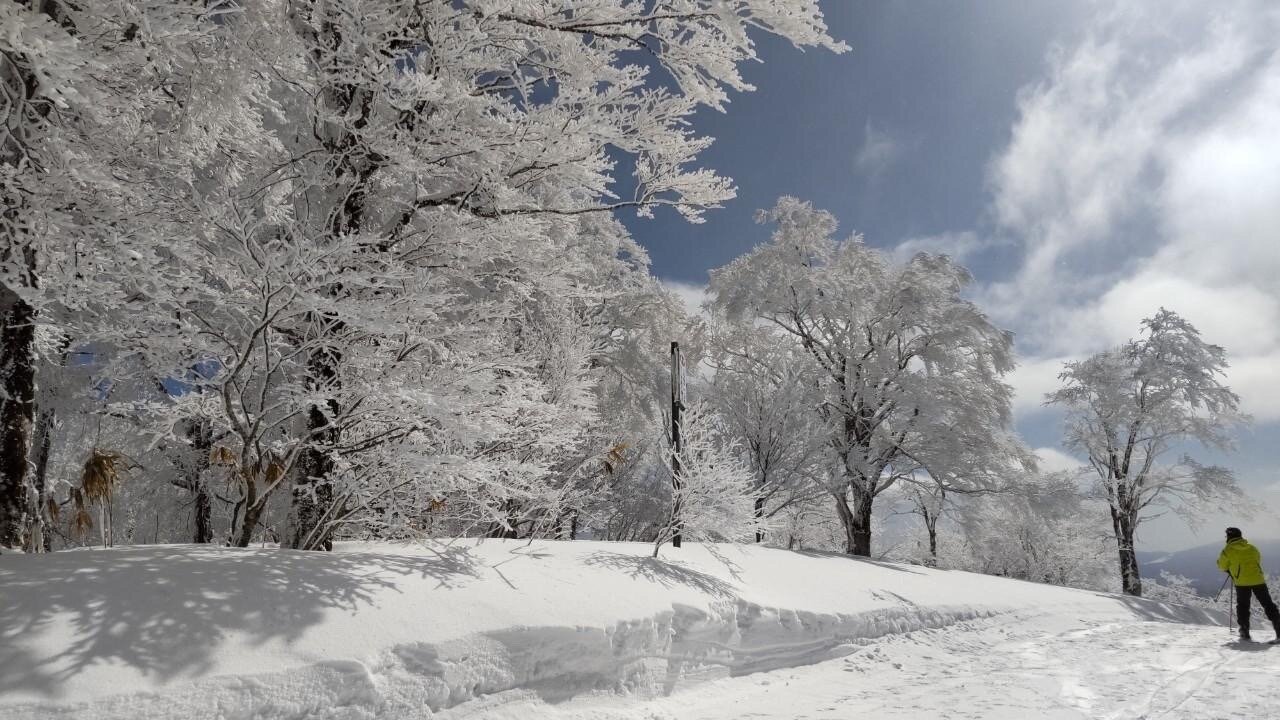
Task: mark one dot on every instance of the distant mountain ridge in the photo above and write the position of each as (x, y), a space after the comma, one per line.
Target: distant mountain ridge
(1199, 564)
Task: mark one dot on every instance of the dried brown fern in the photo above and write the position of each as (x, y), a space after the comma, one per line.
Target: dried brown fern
(101, 474)
(274, 471)
(81, 523)
(222, 455)
(616, 457)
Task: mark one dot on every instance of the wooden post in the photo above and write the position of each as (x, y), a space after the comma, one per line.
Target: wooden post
(677, 404)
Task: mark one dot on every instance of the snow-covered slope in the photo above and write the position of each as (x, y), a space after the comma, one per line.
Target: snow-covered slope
(470, 628)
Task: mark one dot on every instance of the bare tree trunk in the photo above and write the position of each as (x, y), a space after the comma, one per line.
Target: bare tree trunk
(244, 516)
(17, 406)
(677, 480)
(845, 513)
(108, 531)
(856, 521)
(931, 526)
(39, 539)
(37, 514)
(203, 515)
(933, 544)
(252, 513)
(201, 435)
(862, 524)
(312, 488)
(1124, 526)
(759, 518)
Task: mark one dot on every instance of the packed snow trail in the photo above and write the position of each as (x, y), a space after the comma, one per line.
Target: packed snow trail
(580, 630)
(981, 670)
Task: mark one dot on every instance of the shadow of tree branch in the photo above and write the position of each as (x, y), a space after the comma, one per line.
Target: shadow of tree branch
(164, 609)
(664, 572)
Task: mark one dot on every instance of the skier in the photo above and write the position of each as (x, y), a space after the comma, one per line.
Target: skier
(1243, 563)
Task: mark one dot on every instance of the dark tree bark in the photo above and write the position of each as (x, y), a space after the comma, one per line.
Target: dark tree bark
(252, 514)
(1130, 578)
(17, 406)
(932, 525)
(931, 516)
(856, 521)
(846, 521)
(858, 433)
(200, 433)
(38, 539)
(17, 331)
(759, 517)
(203, 515)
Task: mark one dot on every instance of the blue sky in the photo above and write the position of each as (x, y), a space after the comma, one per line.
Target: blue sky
(1088, 163)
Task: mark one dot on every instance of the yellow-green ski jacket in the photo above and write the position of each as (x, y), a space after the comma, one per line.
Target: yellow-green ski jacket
(1243, 562)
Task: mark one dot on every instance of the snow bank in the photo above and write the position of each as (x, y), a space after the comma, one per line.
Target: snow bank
(405, 631)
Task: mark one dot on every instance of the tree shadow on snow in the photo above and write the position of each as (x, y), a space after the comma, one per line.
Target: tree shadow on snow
(667, 573)
(1156, 611)
(830, 554)
(164, 609)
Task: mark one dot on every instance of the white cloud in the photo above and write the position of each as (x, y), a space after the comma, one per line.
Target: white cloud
(1257, 381)
(1054, 460)
(1223, 314)
(1144, 171)
(1031, 380)
(691, 294)
(878, 151)
(959, 245)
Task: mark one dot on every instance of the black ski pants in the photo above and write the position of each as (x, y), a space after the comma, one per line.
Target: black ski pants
(1244, 593)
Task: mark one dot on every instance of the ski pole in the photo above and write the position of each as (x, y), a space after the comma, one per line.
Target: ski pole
(1230, 616)
(1225, 580)
(1228, 579)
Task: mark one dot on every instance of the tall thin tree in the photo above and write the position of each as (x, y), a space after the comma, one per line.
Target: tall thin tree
(1130, 406)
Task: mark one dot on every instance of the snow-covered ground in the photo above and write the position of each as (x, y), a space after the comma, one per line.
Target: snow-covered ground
(505, 629)
(1006, 669)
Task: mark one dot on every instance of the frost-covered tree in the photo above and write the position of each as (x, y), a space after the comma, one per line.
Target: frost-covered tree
(908, 371)
(1043, 530)
(384, 229)
(1129, 407)
(417, 106)
(762, 392)
(1180, 590)
(928, 501)
(715, 496)
(80, 84)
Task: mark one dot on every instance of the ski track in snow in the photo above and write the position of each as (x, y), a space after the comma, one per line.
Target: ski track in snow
(1002, 667)
(995, 669)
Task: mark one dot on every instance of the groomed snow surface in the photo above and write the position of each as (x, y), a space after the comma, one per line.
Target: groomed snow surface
(508, 629)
